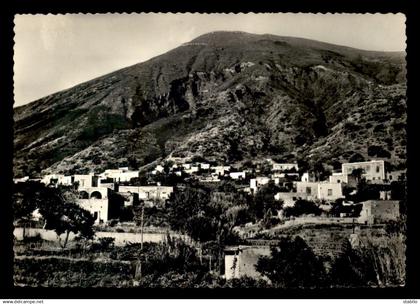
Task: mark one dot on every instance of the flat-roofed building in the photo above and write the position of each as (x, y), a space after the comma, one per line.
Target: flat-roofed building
(319, 190)
(373, 170)
(149, 192)
(379, 211)
(237, 175)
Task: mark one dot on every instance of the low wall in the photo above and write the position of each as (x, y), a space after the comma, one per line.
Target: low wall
(328, 240)
(121, 238)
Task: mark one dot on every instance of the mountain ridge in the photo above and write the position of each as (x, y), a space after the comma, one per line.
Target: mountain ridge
(282, 98)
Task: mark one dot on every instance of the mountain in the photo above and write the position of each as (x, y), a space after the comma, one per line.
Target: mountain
(228, 96)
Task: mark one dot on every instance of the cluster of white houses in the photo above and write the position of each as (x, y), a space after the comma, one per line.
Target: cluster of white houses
(329, 190)
(95, 189)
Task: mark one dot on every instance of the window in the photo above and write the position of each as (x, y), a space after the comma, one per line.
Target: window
(329, 192)
(308, 190)
(373, 178)
(378, 169)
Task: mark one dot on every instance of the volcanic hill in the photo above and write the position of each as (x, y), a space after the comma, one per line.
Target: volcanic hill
(227, 96)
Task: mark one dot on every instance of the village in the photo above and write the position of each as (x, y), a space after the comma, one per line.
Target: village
(112, 194)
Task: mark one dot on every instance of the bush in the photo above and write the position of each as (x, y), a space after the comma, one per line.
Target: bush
(378, 151)
(103, 244)
(302, 207)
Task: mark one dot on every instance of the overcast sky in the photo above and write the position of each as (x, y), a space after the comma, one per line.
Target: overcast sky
(55, 52)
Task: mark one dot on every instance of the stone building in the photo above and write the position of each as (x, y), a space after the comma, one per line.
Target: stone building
(379, 211)
(395, 175)
(241, 260)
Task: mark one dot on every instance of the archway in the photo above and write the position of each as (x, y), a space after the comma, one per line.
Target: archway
(83, 195)
(96, 194)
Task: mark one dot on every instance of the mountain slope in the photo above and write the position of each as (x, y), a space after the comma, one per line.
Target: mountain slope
(225, 95)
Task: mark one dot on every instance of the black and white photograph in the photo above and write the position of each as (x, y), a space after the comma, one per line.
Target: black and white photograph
(210, 151)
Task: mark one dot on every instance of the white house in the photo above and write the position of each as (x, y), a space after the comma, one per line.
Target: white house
(256, 183)
(93, 192)
(289, 198)
(338, 177)
(192, 169)
(204, 166)
(220, 170)
(330, 191)
(98, 207)
(237, 175)
(149, 192)
(319, 190)
(84, 180)
(284, 166)
(310, 189)
(21, 180)
(373, 170)
(119, 175)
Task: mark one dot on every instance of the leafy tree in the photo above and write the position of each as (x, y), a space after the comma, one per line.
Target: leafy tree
(238, 215)
(264, 201)
(292, 264)
(227, 186)
(367, 191)
(378, 151)
(186, 204)
(26, 197)
(338, 207)
(63, 215)
(356, 157)
(68, 217)
(302, 207)
(201, 228)
(266, 168)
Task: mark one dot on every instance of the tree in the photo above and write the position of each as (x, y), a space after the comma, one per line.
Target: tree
(25, 198)
(302, 207)
(356, 157)
(264, 201)
(238, 215)
(338, 207)
(66, 218)
(201, 228)
(185, 204)
(357, 174)
(292, 264)
(63, 215)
